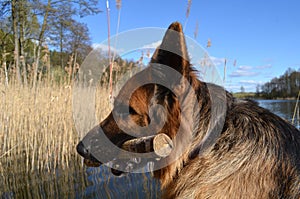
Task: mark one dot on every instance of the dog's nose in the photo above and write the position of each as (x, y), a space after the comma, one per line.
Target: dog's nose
(82, 150)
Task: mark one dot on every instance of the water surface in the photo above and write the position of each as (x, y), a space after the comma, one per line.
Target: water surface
(77, 181)
(282, 108)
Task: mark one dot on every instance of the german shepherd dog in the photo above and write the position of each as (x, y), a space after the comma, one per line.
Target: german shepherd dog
(256, 154)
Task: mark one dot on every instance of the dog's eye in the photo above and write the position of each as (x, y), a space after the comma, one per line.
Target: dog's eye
(123, 111)
(132, 111)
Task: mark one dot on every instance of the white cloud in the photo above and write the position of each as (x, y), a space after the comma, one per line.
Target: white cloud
(237, 87)
(264, 66)
(105, 48)
(251, 82)
(245, 68)
(243, 73)
(217, 61)
(232, 87)
(153, 45)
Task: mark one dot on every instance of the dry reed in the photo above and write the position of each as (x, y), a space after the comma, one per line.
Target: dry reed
(38, 136)
(38, 139)
(37, 126)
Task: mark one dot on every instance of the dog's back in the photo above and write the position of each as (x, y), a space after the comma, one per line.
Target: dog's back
(256, 156)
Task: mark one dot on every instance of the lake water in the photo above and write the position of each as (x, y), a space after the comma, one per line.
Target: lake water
(77, 181)
(283, 108)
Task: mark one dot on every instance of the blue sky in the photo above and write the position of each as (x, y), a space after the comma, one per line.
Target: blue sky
(263, 36)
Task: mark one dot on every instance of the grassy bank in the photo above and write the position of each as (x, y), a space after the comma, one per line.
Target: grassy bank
(244, 95)
(252, 95)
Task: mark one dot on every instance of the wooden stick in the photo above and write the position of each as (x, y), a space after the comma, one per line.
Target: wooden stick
(160, 144)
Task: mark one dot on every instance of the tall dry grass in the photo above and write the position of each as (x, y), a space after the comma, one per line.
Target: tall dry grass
(38, 139)
(37, 127)
(38, 136)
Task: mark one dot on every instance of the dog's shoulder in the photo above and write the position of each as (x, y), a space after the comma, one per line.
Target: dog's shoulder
(247, 119)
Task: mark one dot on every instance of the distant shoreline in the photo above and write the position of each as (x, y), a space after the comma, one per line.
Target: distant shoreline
(252, 95)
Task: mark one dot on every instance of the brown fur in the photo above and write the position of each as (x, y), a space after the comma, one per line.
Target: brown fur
(257, 154)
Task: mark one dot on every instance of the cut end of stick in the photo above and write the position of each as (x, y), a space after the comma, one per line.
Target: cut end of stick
(162, 145)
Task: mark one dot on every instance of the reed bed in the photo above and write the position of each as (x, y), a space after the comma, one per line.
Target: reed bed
(38, 138)
(37, 127)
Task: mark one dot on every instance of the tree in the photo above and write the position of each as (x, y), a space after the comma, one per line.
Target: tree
(257, 93)
(31, 24)
(40, 42)
(14, 16)
(79, 43)
(287, 85)
(23, 23)
(61, 21)
(242, 89)
(52, 12)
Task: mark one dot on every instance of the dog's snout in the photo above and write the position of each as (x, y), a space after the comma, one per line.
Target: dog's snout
(82, 150)
(85, 152)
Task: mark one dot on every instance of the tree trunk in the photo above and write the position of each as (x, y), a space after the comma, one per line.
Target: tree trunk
(40, 43)
(74, 66)
(16, 40)
(22, 18)
(61, 46)
(48, 65)
(4, 63)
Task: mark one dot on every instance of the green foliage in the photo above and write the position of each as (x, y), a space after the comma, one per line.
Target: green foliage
(6, 46)
(56, 57)
(121, 67)
(242, 89)
(28, 28)
(58, 75)
(286, 86)
(244, 95)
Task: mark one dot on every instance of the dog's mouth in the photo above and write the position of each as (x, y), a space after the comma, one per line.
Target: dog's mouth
(146, 149)
(117, 167)
(91, 163)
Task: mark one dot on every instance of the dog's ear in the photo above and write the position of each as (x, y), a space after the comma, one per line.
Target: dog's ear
(173, 51)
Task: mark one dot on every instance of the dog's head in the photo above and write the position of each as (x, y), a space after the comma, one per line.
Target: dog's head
(164, 102)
